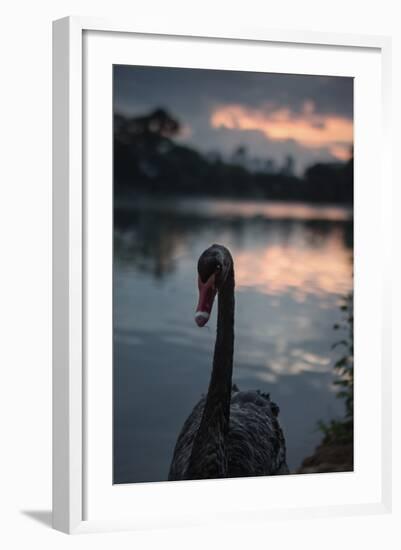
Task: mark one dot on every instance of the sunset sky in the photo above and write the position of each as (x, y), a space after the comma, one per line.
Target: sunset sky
(272, 115)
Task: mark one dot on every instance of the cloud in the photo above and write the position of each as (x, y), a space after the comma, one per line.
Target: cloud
(194, 95)
(307, 127)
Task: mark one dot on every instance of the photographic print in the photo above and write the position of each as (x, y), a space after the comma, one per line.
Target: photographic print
(232, 274)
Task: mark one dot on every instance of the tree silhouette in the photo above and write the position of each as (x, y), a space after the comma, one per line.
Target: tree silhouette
(148, 160)
(288, 166)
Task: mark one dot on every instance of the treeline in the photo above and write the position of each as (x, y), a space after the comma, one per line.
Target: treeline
(148, 160)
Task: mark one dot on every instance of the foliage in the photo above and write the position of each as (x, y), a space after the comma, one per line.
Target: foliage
(150, 158)
(342, 431)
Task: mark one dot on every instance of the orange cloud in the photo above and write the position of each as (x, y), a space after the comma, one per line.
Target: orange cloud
(310, 129)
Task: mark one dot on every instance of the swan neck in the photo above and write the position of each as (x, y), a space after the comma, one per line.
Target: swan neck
(208, 458)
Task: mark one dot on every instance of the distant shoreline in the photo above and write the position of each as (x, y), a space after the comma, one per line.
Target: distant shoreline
(235, 207)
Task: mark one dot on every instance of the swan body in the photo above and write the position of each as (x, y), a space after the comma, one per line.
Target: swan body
(253, 420)
(229, 433)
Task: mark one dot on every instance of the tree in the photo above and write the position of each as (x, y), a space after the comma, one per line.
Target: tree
(288, 166)
(240, 156)
(158, 122)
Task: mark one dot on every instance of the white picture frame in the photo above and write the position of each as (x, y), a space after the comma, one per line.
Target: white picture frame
(72, 423)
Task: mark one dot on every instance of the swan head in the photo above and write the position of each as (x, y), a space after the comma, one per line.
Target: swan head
(214, 265)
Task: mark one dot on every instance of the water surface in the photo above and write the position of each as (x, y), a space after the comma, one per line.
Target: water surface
(293, 263)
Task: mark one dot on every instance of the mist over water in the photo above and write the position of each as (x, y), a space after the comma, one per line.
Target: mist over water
(293, 262)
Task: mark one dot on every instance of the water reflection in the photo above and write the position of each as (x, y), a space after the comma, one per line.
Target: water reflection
(274, 251)
(292, 264)
(299, 270)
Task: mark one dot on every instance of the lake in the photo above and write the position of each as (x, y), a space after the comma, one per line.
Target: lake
(293, 265)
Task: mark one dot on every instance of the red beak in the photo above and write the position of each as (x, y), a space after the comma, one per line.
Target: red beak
(207, 293)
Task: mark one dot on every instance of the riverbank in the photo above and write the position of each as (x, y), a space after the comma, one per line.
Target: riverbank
(329, 457)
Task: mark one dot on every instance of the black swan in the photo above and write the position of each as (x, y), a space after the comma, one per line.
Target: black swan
(230, 433)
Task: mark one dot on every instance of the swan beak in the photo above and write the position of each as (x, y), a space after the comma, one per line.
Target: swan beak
(201, 318)
(207, 293)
